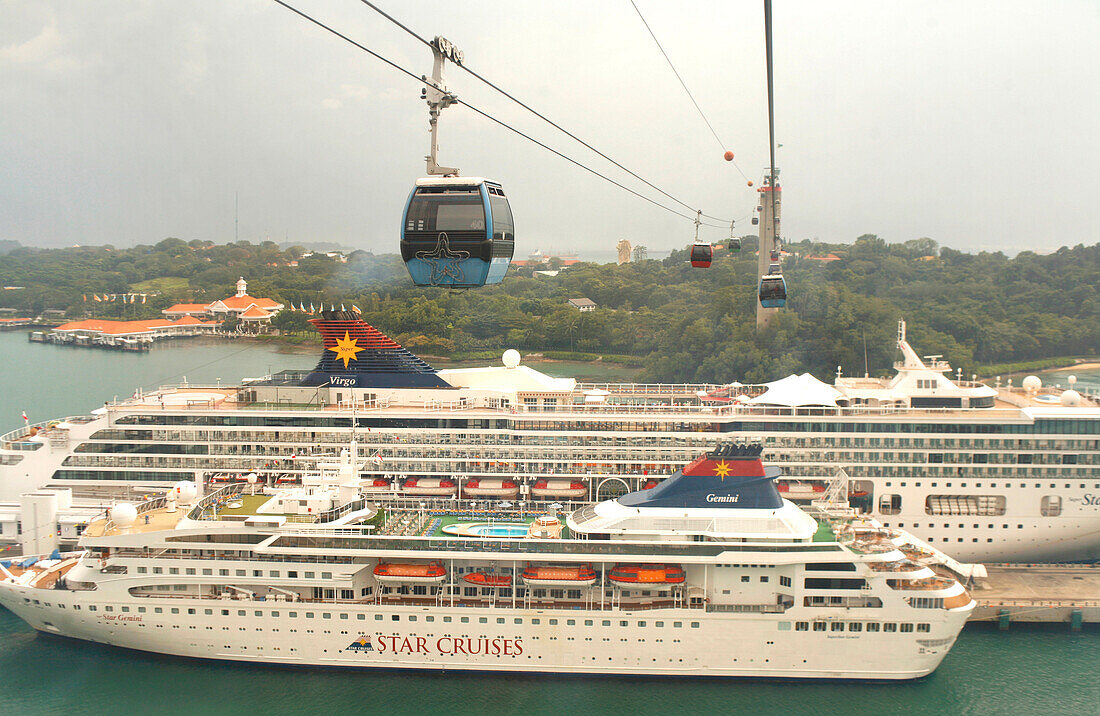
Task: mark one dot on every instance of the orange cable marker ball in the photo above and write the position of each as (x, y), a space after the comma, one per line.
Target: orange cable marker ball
(750, 182)
(729, 156)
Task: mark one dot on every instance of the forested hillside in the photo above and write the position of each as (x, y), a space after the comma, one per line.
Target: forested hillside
(682, 323)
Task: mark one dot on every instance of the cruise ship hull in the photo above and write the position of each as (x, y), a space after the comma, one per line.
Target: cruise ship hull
(753, 646)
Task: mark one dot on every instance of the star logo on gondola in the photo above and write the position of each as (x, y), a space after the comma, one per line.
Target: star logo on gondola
(722, 469)
(444, 261)
(346, 349)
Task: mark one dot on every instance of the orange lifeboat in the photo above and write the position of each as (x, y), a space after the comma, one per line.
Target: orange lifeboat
(799, 490)
(650, 484)
(378, 483)
(580, 576)
(559, 488)
(487, 579)
(428, 486)
(491, 488)
(431, 573)
(647, 574)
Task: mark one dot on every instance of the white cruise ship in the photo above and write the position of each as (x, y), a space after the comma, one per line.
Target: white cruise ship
(994, 474)
(711, 573)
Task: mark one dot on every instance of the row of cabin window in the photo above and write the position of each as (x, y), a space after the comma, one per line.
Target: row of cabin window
(393, 617)
(861, 626)
(207, 572)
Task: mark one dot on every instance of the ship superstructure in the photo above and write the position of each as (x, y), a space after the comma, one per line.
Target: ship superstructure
(987, 473)
(710, 574)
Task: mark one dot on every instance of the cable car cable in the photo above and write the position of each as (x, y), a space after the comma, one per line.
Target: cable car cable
(490, 117)
(683, 84)
(551, 122)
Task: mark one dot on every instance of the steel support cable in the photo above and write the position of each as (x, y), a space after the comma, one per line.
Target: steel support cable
(489, 116)
(546, 119)
(683, 84)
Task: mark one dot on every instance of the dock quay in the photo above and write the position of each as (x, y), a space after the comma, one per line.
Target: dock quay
(1038, 593)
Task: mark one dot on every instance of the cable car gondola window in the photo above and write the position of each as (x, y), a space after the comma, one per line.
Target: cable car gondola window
(456, 211)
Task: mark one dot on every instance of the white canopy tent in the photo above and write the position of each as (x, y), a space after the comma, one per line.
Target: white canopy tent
(799, 391)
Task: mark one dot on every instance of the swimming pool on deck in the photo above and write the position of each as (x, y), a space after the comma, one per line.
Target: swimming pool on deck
(487, 529)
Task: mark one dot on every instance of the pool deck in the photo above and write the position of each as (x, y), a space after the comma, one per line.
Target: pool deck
(483, 519)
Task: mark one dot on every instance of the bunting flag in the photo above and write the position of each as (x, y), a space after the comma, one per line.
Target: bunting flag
(143, 298)
(356, 309)
(85, 298)
(311, 308)
(25, 419)
(342, 309)
(97, 298)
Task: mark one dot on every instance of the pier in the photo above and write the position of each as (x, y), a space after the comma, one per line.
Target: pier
(1038, 593)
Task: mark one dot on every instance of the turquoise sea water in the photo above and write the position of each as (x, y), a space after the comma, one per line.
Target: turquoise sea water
(1025, 671)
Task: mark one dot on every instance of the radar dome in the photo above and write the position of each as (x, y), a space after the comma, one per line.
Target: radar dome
(1071, 380)
(123, 514)
(185, 491)
(511, 358)
(1032, 383)
(1070, 398)
(252, 478)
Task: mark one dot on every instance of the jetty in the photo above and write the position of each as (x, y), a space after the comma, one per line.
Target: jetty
(1038, 593)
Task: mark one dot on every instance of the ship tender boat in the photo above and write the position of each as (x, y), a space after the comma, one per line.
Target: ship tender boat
(922, 448)
(571, 489)
(490, 487)
(410, 573)
(726, 579)
(487, 579)
(800, 490)
(560, 576)
(646, 574)
(428, 486)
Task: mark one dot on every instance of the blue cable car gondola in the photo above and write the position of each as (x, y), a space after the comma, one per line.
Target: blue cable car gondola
(773, 289)
(701, 255)
(457, 232)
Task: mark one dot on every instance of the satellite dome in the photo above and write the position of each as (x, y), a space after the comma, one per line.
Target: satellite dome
(185, 491)
(1032, 383)
(1071, 379)
(123, 514)
(511, 358)
(1070, 398)
(252, 478)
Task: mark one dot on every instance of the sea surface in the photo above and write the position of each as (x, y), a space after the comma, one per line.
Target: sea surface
(1027, 670)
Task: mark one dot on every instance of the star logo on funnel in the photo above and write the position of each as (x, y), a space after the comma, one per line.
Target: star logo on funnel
(346, 348)
(722, 469)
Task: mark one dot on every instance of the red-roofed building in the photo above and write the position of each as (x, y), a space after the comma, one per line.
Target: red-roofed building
(248, 308)
(155, 328)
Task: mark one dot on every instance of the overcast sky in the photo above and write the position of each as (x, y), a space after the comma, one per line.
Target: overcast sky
(972, 123)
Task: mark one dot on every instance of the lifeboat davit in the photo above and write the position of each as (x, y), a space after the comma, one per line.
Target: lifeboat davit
(581, 576)
(646, 574)
(799, 490)
(431, 573)
(559, 488)
(428, 486)
(487, 579)
(491, 488)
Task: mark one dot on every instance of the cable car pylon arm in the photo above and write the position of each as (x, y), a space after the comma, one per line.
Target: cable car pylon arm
(439, 98)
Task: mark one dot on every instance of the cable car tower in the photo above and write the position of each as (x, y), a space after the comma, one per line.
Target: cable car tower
(773, 287)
